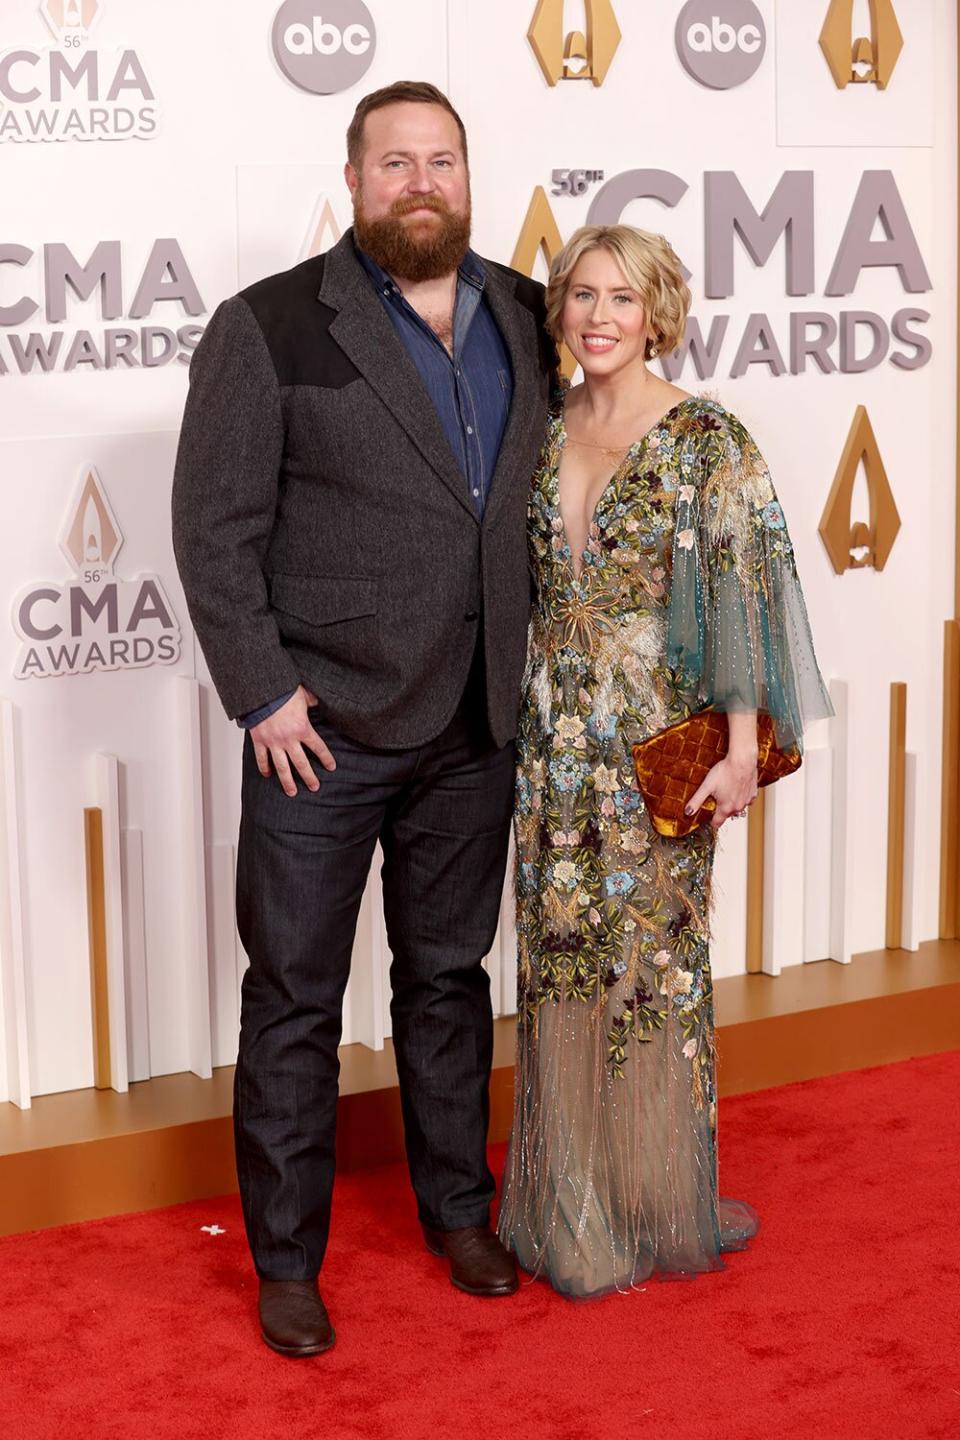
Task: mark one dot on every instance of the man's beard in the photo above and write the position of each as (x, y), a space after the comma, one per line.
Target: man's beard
(414, 253)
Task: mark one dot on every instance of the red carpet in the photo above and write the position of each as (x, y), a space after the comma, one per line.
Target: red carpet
(840, 1321)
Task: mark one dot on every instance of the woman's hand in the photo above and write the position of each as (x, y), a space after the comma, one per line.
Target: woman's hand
(733, 780)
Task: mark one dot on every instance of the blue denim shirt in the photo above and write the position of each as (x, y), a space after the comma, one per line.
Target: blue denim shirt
(471, 390)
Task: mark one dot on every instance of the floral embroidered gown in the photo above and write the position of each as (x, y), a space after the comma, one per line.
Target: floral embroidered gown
(687, 594)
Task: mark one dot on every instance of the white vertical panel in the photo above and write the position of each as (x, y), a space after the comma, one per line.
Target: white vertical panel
(107, 792)
(241, 954)
(817, 777)
(493, 964)
(783, 893)
(912, 859)
(364, 1009)
(382, 956)
(192, 874)
(135, 956)
(728, 916)
(222, 940)
(504, 992)
(841, 939)
(459, 52)
(15, 1079)
(4, 1086)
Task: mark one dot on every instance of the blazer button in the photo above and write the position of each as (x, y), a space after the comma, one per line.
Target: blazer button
(472, 615)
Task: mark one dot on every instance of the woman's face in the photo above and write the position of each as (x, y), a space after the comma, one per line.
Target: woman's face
(603, 318)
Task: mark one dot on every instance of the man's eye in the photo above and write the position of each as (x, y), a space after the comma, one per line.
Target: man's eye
(444, 163)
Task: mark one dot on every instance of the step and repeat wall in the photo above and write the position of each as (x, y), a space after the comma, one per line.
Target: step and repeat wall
(155, 158)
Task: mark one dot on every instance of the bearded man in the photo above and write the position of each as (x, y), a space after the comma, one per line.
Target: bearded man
(349, 520)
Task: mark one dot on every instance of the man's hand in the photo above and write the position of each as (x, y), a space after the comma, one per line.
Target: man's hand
(281, 738)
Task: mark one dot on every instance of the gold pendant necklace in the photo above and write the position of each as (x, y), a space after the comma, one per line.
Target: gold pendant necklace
(610, 451)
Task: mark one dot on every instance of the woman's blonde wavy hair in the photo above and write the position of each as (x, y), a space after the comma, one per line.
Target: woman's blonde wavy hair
(650, 266)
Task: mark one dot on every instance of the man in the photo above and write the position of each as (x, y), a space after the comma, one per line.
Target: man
(349, 518)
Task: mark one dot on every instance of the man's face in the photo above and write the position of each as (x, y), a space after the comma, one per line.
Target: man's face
(411, 193)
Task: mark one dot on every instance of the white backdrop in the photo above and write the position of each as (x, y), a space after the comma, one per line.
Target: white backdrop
(244, 173)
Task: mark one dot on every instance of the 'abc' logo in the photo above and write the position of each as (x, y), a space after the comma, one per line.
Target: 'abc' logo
(324, 45)
(721, 42)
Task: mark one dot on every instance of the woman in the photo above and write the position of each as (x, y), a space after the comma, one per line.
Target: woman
(665, 581)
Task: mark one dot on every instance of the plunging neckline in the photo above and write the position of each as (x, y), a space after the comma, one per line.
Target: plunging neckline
(635, 449)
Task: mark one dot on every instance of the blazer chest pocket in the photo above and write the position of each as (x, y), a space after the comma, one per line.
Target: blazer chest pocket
(320, 600)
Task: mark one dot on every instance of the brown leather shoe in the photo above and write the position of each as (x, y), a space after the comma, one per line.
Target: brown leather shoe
(293, 1318)
(479, 1264)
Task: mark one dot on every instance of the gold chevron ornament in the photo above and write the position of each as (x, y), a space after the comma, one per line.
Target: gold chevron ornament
(575, 56)
(540, 235)
(846, 54)
(855, 545)
(70, 17)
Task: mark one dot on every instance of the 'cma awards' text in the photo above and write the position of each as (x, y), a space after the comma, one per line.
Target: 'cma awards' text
(164, 279)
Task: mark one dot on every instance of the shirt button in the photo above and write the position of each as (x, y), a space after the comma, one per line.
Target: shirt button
(469, 429)
(477, 493)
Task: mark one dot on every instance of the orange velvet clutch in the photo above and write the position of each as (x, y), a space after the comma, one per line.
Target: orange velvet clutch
(673, 764)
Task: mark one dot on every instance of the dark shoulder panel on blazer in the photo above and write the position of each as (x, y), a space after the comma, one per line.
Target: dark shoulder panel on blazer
(296, 327)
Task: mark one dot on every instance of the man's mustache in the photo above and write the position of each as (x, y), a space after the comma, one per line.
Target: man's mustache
(408, 203)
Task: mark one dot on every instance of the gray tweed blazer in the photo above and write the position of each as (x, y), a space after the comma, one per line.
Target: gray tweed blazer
(322, 526)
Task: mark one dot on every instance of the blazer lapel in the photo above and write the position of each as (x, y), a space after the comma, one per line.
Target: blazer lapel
(519, 331)
(363, 331)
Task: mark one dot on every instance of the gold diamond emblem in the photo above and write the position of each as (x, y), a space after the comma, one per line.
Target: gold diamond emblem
(92, 539)
(576, 56)
(854, 545)
(861, 60)
(324, 231)
(70, 17)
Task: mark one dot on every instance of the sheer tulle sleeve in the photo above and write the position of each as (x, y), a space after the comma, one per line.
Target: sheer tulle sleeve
(738, 627)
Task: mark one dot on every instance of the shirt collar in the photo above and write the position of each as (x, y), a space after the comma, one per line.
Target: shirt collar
(471, 270)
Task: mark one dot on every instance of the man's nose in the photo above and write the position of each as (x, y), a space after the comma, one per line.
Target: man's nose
(420, 180)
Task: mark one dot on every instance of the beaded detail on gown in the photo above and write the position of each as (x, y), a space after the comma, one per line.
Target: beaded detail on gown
(687, 595)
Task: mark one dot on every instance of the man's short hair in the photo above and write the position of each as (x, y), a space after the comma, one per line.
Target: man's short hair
(402, 92)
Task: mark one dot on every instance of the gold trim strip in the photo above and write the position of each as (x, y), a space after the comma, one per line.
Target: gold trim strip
(896, 813)
(97, 930)
(956, 228)
(756, 840)
(950, 783)
(950, 759)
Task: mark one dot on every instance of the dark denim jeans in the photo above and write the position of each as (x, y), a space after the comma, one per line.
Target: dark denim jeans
(442, 815)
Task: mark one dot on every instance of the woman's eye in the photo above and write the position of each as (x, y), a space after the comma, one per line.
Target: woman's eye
(582, 295)
(625, 298)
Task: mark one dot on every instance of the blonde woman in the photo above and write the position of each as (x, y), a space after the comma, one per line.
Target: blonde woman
(665, 582)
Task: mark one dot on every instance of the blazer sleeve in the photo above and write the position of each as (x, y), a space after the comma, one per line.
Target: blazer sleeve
(224, 507)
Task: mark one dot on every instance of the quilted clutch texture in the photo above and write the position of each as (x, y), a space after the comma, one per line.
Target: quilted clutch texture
(672, 765)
